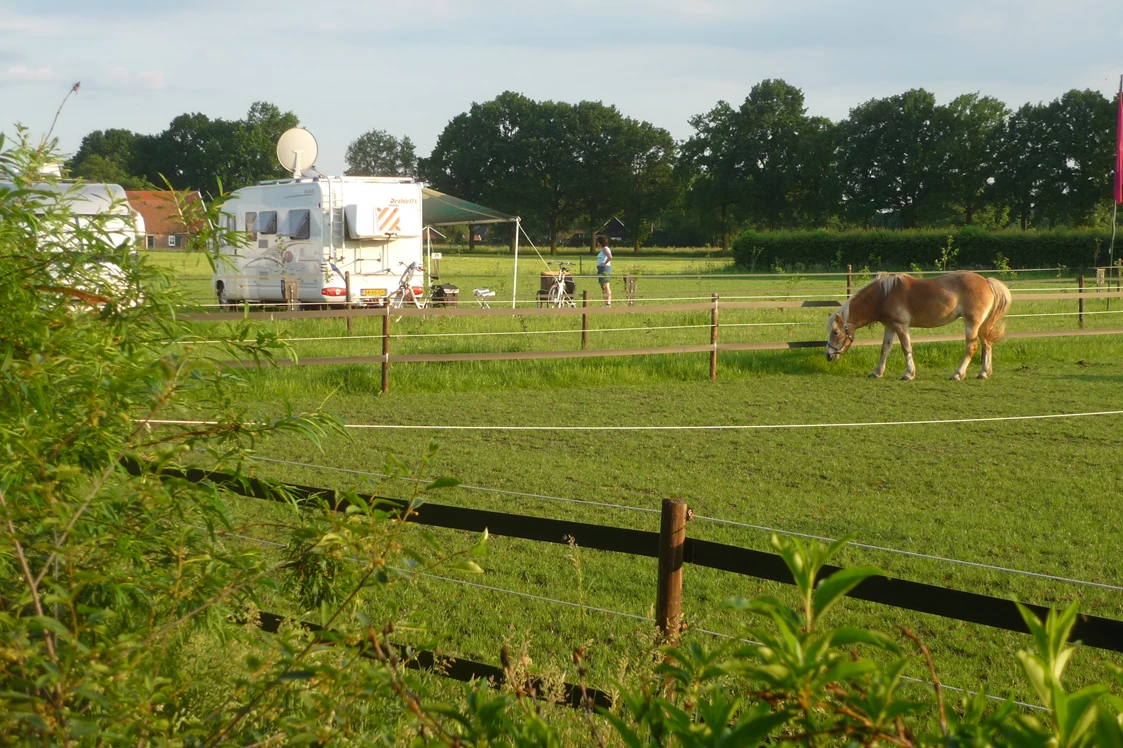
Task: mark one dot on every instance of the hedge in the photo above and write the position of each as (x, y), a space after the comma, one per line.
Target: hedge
(900, 250)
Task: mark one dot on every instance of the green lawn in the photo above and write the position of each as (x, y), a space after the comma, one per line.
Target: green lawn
(1040, 496)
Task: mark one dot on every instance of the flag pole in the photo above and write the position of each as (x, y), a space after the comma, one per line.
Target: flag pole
(1118, 175)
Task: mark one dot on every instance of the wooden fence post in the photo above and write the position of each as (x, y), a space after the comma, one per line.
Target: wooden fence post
(347, 278)
(713, 340)
(1082, 302)
(672, 537)
(585, 320)
(386, 352)
(849, 280)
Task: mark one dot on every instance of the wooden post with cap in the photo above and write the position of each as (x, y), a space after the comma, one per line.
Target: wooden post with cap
(1081, 302)
(849, 280)
(347, 278)
(672, 538)
(386, 350)
(585, 320)
(713, 340)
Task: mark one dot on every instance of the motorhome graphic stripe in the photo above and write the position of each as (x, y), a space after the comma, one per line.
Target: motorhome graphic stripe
(389, 220)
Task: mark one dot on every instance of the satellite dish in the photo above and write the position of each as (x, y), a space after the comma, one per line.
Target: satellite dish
(297, 150)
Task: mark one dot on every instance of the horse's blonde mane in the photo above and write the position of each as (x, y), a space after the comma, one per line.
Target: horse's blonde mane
(888, 281)
(885, 281)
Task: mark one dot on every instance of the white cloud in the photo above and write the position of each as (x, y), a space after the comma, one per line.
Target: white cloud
(34, 26)
(25, 74)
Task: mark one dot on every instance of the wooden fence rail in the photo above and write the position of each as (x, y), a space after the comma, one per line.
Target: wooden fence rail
(959, 605)
(465, 311)
(713, 348)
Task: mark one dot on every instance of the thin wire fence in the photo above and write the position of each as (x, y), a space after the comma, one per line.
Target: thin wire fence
(682, 427)
(570, 331)
(406, 573)
(761, 528)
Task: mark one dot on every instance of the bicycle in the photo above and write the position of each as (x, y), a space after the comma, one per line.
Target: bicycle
(558, 295)
(406, 291)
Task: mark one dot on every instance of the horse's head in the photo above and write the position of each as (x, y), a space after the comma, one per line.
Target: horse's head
(839, 335)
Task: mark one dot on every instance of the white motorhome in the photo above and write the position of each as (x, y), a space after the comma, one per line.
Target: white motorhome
(304, 235)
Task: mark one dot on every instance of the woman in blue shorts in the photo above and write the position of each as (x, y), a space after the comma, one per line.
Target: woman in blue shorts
(604, 268)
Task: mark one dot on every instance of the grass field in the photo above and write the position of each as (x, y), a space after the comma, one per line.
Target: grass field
(1040, 495)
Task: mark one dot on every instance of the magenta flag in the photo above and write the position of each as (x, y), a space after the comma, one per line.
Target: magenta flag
(1119, 154)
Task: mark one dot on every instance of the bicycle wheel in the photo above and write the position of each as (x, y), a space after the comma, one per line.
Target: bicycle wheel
(556, 297)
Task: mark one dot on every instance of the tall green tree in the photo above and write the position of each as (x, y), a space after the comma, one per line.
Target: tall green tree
(257, 135)
(547, 155)
(110, 156)
(603, 163)
(1021, 168)
(772, 121)
(653, 188)
(889, 158)
(479, 155)
(710, 162)
(378, 153)
(195, 152)
(1079, 155)
(817, 196)
(971, 128)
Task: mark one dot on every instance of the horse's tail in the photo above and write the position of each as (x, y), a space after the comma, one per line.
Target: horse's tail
(994, 326)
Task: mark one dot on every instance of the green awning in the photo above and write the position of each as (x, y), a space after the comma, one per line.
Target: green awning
(439, 209)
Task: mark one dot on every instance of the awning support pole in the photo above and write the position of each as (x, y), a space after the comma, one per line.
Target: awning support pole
(428, 255)
(515, 281)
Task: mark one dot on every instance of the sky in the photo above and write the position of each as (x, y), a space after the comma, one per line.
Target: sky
(348, 66)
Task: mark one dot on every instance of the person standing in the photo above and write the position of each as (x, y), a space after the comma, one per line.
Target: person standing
(604, 268)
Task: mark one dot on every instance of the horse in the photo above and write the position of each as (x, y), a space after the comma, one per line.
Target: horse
(899, 301)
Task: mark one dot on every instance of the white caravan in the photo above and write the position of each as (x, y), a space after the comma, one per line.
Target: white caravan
(88, 199)
(118, 224)
(304, 235)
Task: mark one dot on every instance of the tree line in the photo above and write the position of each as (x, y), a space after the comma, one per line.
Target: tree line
(902, 161)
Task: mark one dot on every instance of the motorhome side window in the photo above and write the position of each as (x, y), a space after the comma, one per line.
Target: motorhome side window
(251, 217)
(297, 224)
(266, 222)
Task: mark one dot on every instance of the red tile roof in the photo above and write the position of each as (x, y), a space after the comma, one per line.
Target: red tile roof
(158, 207)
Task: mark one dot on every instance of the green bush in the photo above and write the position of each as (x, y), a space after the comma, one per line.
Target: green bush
(897, 250)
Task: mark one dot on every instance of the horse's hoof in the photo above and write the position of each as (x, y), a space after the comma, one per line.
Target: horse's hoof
(908, 377)
(956, 377)
(983, 375)
(875, 375)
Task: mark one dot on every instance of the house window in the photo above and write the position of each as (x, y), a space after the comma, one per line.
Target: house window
(171, 240)
(251, 218)
(266, 222)
(297, 224)
(150, 242)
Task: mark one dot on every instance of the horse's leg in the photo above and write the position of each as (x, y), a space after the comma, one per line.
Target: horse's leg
(906, 345)
(886, 345)
(972, 346)
(988, 360)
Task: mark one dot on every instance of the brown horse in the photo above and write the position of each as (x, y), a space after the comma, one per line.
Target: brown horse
(899, 301)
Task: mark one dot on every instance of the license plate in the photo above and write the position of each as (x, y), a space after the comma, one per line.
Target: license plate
(374, 292)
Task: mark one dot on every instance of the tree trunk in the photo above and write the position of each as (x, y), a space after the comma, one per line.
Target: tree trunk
(592, 233)
(514, 235)
(553, 236)
(636, 249)
(725, 227)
